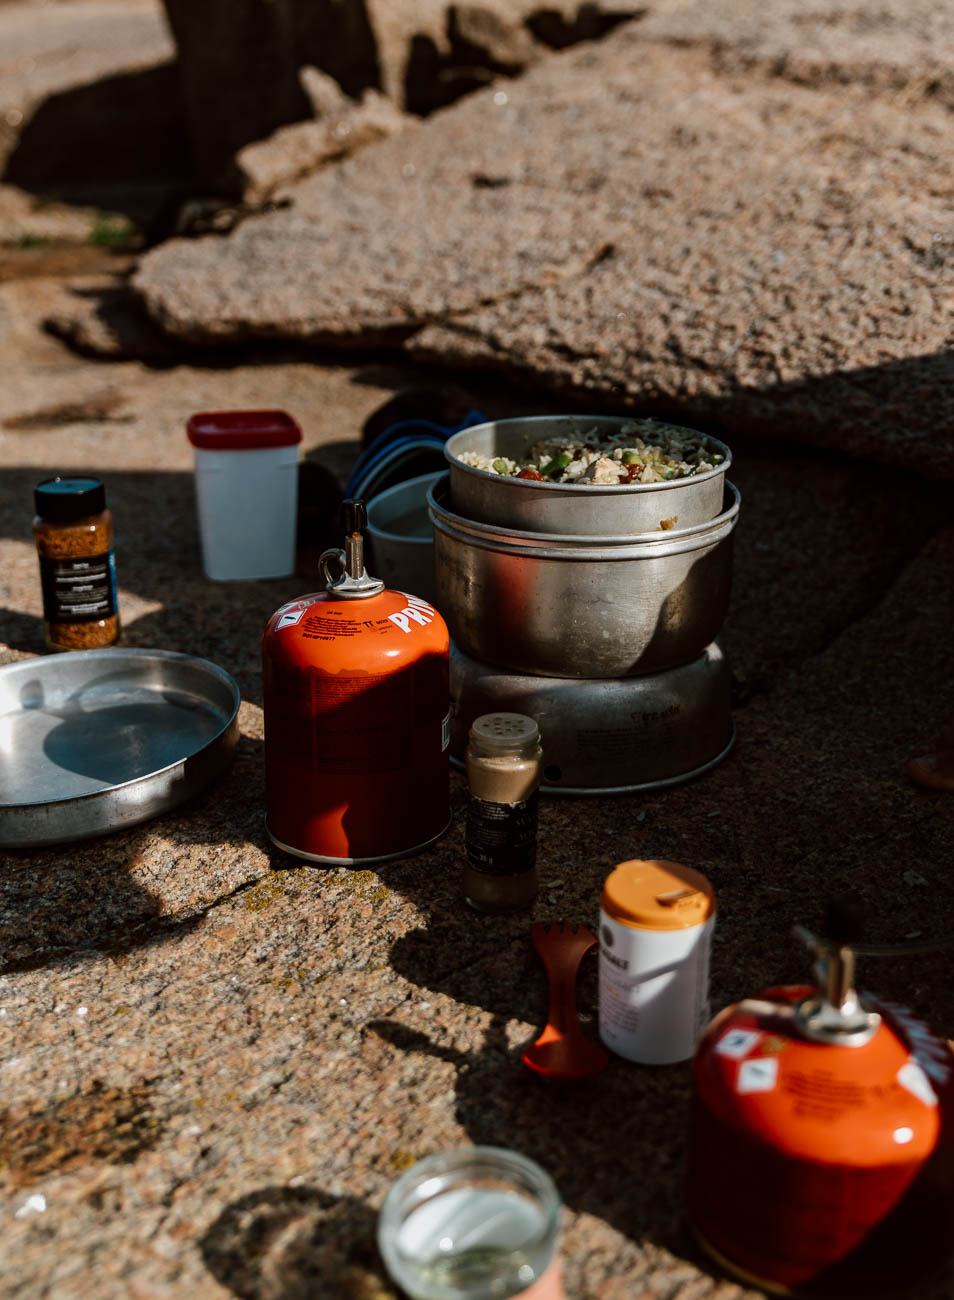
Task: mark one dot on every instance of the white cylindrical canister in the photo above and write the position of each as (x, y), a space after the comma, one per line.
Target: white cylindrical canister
(246, 487)
(656, 921)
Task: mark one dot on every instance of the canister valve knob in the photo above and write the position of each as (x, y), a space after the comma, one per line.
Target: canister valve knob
(355, 515)
(835, 1014)
(353, 581)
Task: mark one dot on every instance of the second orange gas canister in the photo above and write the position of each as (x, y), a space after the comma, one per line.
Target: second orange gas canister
(357, 726)
(822, 1140)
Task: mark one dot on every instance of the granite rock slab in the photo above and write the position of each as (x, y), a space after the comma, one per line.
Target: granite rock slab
(631, 223)
(341, 128)
(785, 277)
(899, 47)
(365, 253)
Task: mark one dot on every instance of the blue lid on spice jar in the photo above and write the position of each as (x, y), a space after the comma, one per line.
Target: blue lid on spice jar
(64, 500)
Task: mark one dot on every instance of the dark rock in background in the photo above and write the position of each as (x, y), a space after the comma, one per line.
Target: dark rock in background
(240, 59)
(91, 113)
(239, 65)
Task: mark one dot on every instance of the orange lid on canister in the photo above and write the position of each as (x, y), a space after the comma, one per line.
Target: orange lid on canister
(655, 895)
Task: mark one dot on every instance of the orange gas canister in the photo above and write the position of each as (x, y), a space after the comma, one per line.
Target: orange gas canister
(357, 724)
(821, 1157)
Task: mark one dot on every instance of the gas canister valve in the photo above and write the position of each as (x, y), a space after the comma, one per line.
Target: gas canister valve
(353, 581)
(835, 1014)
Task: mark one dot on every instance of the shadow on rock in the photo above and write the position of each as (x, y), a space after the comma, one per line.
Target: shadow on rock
(240, 66)
(117, 143)
(557, 30)
(22, 631)
(293, 1243)
(109, 321)
(561, 1125)
(95, 894)
(566, 1129)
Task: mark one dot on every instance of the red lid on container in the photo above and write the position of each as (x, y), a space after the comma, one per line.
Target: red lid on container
(242, 430)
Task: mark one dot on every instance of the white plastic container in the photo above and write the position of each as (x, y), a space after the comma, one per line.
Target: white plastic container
(656, 922)
(246, 486)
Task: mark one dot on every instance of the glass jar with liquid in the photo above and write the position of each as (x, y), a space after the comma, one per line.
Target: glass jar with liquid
(475, 1223)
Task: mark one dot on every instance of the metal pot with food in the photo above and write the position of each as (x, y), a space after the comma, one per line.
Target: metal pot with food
(596, 476)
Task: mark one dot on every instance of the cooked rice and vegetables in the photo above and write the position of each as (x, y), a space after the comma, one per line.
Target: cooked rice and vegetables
(642, 451)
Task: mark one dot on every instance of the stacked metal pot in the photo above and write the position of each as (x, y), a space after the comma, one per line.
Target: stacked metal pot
(594, 608)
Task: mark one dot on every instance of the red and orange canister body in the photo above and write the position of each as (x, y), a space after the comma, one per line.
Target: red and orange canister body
(356, 701)
(822, 1168)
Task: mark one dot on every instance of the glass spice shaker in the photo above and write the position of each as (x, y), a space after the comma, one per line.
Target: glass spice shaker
(503, 760)
(474, 1223)
(73, 531)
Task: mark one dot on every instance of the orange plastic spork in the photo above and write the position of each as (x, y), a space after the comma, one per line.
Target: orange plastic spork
(563, 1051)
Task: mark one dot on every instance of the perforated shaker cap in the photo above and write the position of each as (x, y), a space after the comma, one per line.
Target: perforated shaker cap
(505, 733)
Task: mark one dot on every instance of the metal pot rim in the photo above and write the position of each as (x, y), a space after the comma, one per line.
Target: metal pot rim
(579, 489)
(554, 546)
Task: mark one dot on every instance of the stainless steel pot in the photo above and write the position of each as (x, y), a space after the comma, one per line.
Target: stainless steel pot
(593, 510)
(581, 606)
(606, 737)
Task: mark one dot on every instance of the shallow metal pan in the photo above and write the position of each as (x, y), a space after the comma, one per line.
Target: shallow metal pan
(96, 740)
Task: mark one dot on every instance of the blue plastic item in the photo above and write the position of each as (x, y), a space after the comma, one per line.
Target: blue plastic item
(387, 460)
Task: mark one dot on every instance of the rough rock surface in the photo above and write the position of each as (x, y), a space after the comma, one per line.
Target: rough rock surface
(629, 220)
(341, 128)
(215, 1060)
(896, 47)
(364, 254)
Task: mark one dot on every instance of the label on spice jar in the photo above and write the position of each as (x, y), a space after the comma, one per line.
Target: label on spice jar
(80, 589)
(501, 838)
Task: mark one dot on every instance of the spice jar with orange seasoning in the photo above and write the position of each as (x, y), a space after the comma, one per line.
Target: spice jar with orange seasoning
(74, 540)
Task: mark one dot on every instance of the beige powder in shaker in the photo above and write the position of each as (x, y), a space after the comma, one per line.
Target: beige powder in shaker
(503, 760)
